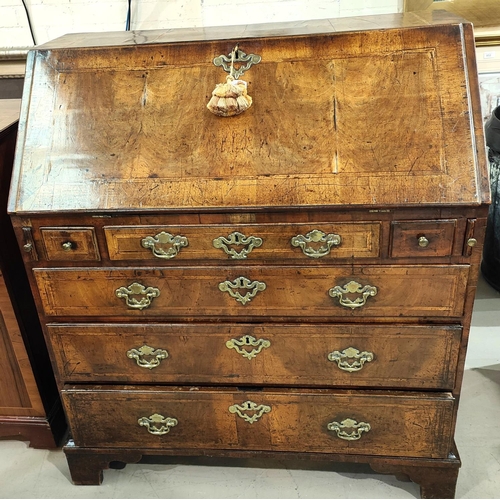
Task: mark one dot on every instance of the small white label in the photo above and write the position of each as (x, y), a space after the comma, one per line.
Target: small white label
(489, 55)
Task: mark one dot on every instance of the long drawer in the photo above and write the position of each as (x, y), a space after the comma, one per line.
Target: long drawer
(323, 355)
(375, 423)
(294, 292)
(308, 242)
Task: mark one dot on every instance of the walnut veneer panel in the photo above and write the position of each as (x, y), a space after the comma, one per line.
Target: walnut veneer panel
(404, 356)
(296, 420)
(292, 291)
(325, 91)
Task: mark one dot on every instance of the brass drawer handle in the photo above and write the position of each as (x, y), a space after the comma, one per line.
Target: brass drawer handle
(316, 236)
(248, 406)
(423, 241)
(231, 287)
(147, 357)
(129, 294)
(350, 359)
(353, 287)
(239, 239)
(356, 429)
(248, 340)
(157, 243)
(157, 424)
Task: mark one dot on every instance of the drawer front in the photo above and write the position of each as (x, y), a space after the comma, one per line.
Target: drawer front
(423, 238)
(244, 242)
(375, 423)
(293, 292)
(70, 243)
(305, 355)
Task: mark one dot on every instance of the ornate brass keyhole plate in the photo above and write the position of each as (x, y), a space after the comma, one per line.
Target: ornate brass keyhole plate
(238, 239)
(242, 283)
(249, 411)
(237, 56)
(248, 341)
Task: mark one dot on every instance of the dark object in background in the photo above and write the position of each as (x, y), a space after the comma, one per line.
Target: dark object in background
(490, 266)
(11, 88)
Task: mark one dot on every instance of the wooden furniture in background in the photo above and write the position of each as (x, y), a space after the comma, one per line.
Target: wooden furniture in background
(30, 407)
(293, 281)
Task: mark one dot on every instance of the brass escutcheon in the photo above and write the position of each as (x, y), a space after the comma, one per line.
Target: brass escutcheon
(351, 288)
(129, 293)
(242, 283)
(157, 424)
(249, 406)
(356, 429)
(157, 243)
(237, 238)
(147, 357)
(236, 56)
(357, 358)
(248, 340)
(316, 236)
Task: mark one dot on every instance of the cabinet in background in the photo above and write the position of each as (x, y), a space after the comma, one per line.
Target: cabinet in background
(30, 407)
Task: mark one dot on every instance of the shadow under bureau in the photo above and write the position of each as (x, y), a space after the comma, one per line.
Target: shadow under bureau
(258, 240)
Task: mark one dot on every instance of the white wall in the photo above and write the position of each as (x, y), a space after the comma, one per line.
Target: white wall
(53, 18)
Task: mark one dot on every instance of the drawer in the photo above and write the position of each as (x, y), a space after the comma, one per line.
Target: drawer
(263, 292)
(70, 243)
(423, 238)
(372, 423)
(244, 242)
(322, 355)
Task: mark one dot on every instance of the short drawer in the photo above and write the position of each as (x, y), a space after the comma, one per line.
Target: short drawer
(423, 238)
(70, 243)
(246, 242)
(374, 423)
(255, 292)
(402, 356)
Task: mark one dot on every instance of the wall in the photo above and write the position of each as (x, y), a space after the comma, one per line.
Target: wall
(53, 18)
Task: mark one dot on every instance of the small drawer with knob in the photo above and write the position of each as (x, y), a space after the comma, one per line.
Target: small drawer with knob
(423, 238)
(70, 243)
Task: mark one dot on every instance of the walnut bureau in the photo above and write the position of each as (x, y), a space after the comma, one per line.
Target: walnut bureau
(257, 240)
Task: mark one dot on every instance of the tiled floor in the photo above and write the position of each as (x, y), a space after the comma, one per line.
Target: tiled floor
(29, 473)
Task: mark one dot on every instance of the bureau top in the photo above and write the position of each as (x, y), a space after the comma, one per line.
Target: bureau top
(385, 113)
